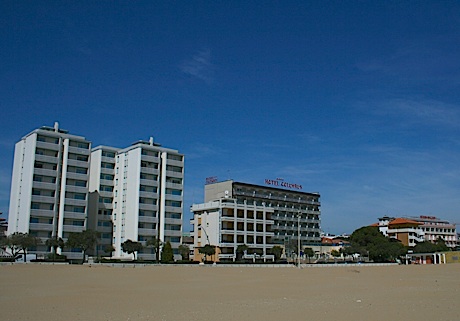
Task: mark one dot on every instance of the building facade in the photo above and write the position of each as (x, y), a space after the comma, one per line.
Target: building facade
(295, 215)
(227, 223)
(408, 232)
(59, 186)
(101, 188)
(412, 230)
(49, 188)
(435, 228)
(147, 197)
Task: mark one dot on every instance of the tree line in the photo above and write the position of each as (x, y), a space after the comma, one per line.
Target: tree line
(20, 243)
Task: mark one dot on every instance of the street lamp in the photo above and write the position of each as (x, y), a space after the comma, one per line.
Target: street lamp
(298, 238)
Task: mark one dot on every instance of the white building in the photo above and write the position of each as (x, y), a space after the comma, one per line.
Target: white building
(227, 223)
(412, 230)
(49, 188)
(147, 197)
(286, 216)
(59, 185)
(434, 228)
(101, 187)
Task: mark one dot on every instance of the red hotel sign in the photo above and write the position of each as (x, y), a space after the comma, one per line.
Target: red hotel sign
(282, 183)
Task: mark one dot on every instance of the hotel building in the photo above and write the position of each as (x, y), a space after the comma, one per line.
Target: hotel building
(49, 188)
(257, 216)
(412, 230)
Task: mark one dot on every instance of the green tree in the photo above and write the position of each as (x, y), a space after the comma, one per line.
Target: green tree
(428, 247)
(18, 242)
(335, 253)
(277, 251)
(84, 241)
(184, 251)
(131, 247)
(308, 251)
(240, 249)
(109, 249)
(55, 242)
(156, 244)
(167, 255)
(369, 240)
(207, 250)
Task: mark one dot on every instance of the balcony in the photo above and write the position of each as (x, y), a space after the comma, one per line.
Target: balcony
(152, 159)
(146, 231)
(175, 174)
(43, 185)
(80, 216)
(43, 199)
(174, 162)
(48, 146)
(149, 170)
(173, 209)
(46, 159)
(149, 195)
(106, 159)
(175, 221)
(83, 177)
(148, 182)
(40, 227)
(45, 172)
(149, 207)
(71, 201)
(77, 150)
(174, 185)
(171, 197)
(42, 213)
(74, 162)
(173, 233)
(148, 219)
(73, 229)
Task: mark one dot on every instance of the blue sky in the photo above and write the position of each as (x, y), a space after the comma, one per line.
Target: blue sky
(356, 100)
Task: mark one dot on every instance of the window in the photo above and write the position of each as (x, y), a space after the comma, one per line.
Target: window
(107, 177)
(107, 165)
(34, 220)
(82, 145)
(175, 157)
(171, 191)
(108, 154)
(176, 169)
(79, 196)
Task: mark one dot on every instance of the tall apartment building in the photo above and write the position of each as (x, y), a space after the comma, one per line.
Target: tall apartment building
(59, 185)
(141, 189)
(49, 188)
(291, 210)
(101, 187)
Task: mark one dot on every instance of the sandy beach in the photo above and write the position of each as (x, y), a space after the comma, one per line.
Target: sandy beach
(70, 292)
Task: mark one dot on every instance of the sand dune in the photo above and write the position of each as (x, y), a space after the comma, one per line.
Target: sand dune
(69, 292)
